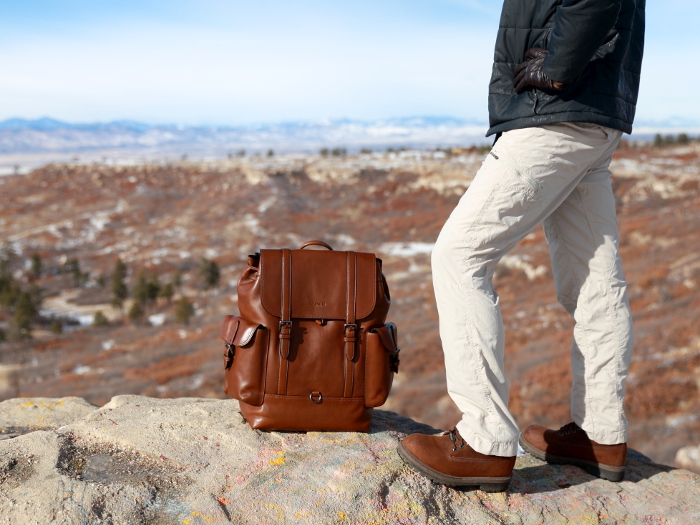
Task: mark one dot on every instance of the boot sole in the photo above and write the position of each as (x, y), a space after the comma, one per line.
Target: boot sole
(600, 470)
(487, 484)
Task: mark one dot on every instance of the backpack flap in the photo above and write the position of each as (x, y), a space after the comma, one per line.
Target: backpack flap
(315, 275)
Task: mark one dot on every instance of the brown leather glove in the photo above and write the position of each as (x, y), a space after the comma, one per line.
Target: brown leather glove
(530, 74)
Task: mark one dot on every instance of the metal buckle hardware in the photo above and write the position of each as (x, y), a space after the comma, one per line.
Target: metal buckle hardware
(285, 328)
(317, 400)
(350, 331)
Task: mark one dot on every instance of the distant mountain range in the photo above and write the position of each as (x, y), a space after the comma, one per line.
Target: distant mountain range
(50, 135)
(47, 135)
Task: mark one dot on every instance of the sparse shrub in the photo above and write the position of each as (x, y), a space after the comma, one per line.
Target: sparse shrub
(209, 273)
(80, 278)
(339, 152)
(153, 287)
(659, 141)
(100, 319)
(21, 323)
(167, 291)
(140, 291)
(683, 139)
(270, 153)
(324, 152)
(7, 257)
(36, 296)
(184, 311)
(37, 265)
(119, 289)
(136, 312)
(56, 327)
(365, 151)
(9, 291)
(177, 279)
(240, 153)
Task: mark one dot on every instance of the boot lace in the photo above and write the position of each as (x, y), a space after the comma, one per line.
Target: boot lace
(570, 428)
(456, 439)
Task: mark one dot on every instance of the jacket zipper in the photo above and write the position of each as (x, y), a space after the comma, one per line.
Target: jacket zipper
(534, 104)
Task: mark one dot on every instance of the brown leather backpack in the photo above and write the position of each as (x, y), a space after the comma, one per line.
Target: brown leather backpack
(310, 349)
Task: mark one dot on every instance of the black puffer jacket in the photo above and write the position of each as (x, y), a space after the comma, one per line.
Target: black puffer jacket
(595, 46)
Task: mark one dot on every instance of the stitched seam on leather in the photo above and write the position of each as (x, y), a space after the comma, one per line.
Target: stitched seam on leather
(306, 398)
(266, 349)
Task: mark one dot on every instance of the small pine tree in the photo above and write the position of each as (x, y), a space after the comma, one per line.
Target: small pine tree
(9, 291)
(36, 296)
(683, 139)
(37, 265)
(7, 257)
(119, 289)
(339, 152)
(270, 153)
(184, 310)
(21, 322)
(100, 319)
(140, 290)
(80, 278)
(167, 291)
(136, 312)
(153, 287)
(73, 267)
(659, 141)
(209, 273)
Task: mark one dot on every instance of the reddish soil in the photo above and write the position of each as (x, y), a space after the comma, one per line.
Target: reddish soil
(166, 218)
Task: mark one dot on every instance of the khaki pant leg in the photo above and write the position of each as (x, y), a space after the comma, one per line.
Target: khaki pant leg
(526, 177)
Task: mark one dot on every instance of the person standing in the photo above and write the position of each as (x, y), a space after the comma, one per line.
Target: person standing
(563, 90)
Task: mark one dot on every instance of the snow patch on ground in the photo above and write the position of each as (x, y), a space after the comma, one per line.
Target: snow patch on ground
(406, 249)
(156, 319)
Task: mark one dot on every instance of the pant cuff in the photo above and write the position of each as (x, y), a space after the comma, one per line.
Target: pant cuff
(486, 446)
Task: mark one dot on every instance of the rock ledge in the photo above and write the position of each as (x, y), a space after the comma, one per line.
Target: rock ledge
(195, 461)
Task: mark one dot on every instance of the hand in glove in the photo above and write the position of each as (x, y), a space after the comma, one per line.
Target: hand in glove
(530, 74)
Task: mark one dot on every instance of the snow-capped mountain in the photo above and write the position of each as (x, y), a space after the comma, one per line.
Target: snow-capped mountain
(49, 135)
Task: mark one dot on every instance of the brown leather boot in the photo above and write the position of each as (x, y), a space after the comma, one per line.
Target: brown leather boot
(448, 460)
(570, 445)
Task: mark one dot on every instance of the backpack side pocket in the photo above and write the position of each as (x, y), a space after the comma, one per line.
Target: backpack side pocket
(245, 359)
(381, 363)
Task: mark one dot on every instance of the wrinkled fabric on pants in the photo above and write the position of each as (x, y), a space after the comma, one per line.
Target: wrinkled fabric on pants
(557, 175)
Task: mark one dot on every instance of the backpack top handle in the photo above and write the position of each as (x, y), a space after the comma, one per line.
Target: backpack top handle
(315, 243)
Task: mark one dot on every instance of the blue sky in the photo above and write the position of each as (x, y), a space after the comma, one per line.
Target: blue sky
(230, 62)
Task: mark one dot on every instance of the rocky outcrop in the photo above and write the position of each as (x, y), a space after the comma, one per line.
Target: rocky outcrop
(192, 460)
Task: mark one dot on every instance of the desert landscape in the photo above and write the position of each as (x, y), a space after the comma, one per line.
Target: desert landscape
(65, 226)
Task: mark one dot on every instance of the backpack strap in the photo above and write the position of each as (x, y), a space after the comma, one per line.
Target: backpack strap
(351, 328)
(285, 324)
